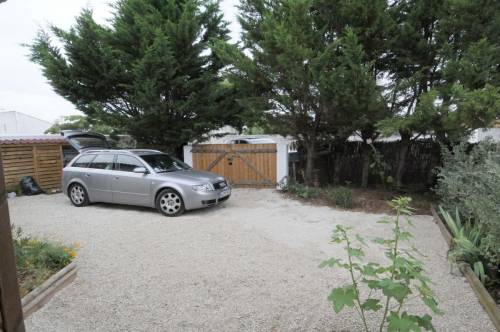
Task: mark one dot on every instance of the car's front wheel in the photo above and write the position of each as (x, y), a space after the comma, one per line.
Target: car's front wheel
(169, 202)
(78, 195)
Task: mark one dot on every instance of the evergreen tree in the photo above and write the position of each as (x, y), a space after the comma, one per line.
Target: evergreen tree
(357, 97)
(442, 68)
(299, 72)
(371, 23)
(150, 72)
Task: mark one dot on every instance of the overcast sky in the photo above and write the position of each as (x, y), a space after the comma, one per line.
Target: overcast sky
(22, 85)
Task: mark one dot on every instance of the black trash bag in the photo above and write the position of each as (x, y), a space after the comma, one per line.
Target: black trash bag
(29, 186)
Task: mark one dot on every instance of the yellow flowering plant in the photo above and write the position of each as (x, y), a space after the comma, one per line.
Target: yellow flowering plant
(38, 259)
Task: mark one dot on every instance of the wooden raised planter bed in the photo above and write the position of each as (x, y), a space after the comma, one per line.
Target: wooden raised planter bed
(35, 299)
(482, 294)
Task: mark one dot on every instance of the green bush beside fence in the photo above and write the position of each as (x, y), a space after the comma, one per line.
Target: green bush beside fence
(341, 196)
(469, 183)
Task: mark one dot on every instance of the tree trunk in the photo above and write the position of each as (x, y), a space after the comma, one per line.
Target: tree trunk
(336, 168)
(435, 162)
(365, 171)
(179, 151)
(402, 153)
(11, 313)
(310, 152)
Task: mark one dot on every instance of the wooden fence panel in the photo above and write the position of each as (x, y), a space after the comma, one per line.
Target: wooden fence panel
(41, 161)
(344, 163)
(49, 164)
(18, 161)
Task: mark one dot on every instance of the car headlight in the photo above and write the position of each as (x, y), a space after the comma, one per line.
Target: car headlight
(206, 187)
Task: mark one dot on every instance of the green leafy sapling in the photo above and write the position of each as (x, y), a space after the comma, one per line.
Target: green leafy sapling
(390, 286)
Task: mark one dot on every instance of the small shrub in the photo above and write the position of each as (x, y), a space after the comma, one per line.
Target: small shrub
(36, 259)
(390, 285)
(466, 245)
(305, 192)
(300, 190)
(284, 184)
(341, 196)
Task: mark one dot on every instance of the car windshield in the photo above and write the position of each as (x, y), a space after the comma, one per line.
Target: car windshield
(162, 163)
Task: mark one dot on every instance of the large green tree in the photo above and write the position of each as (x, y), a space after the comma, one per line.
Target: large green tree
(442, 70)
(357, 99)
(151, 71)
(299, 72)
(371, 23)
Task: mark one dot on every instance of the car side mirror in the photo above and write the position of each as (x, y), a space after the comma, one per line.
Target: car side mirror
(141, 170)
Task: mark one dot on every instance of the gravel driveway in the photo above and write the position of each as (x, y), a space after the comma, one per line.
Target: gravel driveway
(250, 264)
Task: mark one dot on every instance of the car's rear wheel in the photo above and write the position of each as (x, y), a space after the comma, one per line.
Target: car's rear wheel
(78, 195)
(169, 202)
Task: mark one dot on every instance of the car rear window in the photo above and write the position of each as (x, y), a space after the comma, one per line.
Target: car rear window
(103, 161)
(83, 161)
(127, 163)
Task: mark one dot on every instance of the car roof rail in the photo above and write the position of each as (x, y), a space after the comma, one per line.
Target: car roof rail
(138, 151)
(126, 151)
(94, 150)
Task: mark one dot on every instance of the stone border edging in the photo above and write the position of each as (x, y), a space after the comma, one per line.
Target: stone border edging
(482, 294)
(35, 299)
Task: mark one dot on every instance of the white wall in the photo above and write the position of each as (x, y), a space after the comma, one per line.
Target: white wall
(282, 163)
(188, 155)
(482, 134)
(16, 123)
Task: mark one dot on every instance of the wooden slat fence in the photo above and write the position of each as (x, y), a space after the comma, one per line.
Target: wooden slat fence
(41, 161)
(344, 163)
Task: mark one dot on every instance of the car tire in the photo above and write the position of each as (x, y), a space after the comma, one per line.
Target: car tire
(78, 195)
(170, 203)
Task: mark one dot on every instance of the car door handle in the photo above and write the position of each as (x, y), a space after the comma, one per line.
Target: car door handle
(87, 174)
(117, 177)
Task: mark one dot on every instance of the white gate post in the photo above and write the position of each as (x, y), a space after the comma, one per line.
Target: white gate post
(188, 155)
(281, 162)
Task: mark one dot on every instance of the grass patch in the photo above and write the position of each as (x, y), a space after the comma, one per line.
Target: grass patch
(37, 259)
(341, 196)
(303, 191)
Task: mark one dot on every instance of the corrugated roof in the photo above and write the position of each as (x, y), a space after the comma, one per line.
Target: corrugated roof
(31, 139)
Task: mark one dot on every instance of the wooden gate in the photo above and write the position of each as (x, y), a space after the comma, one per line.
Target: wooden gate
(244, 165)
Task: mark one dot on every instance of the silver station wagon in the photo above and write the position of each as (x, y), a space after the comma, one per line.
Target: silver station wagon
(141, 177)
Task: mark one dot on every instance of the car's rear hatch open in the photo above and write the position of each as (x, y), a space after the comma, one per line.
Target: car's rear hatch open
(84, 141)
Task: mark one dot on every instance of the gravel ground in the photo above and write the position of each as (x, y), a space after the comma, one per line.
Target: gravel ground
(250, 264)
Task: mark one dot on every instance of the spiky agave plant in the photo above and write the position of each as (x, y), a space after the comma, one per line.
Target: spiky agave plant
(466, 242)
